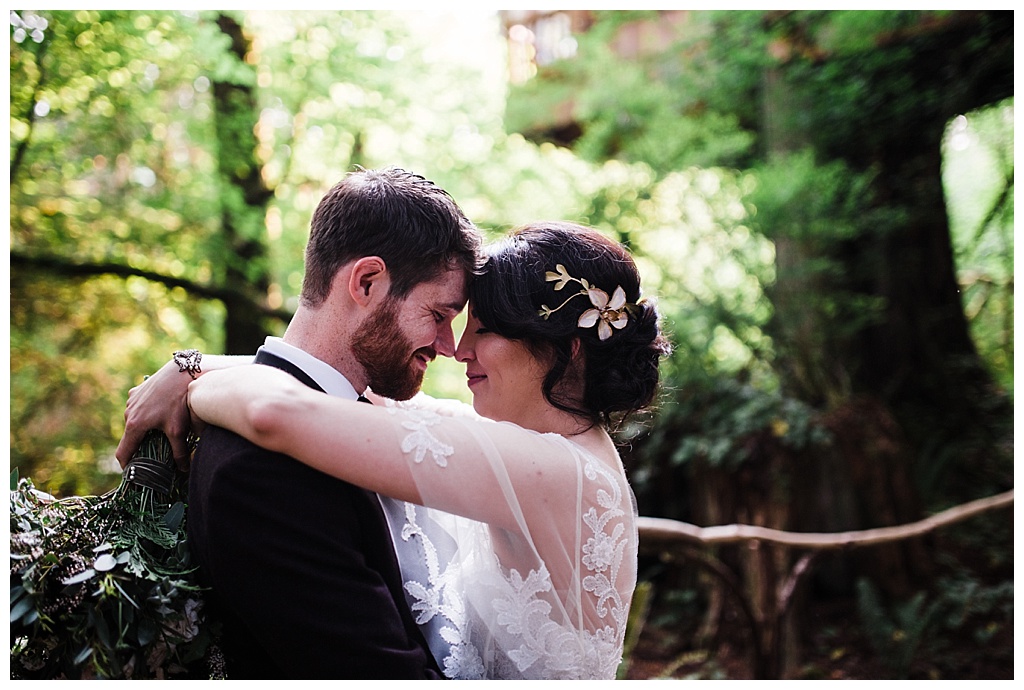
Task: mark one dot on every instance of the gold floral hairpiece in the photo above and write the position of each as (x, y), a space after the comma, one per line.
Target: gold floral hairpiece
(607, 312)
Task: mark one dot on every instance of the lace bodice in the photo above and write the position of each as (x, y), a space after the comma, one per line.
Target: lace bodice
(524, 564)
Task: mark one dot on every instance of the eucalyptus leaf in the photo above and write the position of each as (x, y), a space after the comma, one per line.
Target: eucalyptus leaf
(104, 563)
(17, 592)
(84, 654)
(80, 577)
(174, 516)
(103, 630)
(147, 630)
(21, 608)
(125, 594)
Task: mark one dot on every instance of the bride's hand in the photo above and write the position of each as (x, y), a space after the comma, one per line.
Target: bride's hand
(157, 403)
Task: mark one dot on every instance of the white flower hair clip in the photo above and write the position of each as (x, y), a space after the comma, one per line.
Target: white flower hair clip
(607, 312)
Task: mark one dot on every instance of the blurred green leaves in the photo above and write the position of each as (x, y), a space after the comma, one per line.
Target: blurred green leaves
(114, 159)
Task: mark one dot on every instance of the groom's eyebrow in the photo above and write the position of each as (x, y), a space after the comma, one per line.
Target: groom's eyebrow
(454, 307)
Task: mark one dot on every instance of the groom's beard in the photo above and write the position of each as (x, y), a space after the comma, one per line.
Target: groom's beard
(386, 354)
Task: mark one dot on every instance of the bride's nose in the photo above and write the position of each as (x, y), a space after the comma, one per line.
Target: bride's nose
(465, 351)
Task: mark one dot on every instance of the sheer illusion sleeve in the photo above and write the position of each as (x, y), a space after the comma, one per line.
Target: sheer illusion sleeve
(528, 542)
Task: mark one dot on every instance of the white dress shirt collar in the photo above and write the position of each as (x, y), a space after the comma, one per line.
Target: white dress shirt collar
(327, 377)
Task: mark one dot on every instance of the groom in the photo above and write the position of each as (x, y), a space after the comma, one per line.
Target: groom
(302, 567)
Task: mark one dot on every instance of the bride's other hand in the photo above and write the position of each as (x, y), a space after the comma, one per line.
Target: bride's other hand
(159, 402)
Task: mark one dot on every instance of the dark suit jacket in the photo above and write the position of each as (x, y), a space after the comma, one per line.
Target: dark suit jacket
(301, 566)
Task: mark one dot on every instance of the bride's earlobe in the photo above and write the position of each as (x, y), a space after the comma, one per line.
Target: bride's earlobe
(577, 347)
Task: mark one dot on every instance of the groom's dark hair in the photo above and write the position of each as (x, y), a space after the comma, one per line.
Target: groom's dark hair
(405, 219)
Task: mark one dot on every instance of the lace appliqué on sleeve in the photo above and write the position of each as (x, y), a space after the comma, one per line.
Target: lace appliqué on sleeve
(421, 440)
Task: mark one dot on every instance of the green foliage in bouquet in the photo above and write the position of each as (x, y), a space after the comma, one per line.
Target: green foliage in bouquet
(101, 586)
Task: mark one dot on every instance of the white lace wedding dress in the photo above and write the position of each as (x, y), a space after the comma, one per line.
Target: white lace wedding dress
(525, 562)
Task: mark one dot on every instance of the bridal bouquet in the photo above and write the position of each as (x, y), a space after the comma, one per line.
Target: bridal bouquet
(102, 587)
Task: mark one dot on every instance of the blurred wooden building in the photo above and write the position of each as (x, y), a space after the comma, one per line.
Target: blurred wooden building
(539, 39)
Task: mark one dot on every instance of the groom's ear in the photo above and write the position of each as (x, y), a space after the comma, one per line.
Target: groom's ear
(368, 281)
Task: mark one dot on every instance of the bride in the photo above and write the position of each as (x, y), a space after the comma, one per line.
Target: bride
(520, 505)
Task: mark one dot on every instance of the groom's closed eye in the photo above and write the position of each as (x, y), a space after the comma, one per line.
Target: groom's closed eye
(448, 311)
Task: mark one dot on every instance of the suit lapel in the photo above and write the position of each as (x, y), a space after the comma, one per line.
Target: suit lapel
(392, 575)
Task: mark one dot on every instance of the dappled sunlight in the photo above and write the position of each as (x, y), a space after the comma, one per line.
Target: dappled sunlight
(842, 318)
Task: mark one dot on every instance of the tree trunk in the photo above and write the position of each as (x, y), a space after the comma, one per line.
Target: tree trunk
(245, 198)
(760, 492)
(919, 358)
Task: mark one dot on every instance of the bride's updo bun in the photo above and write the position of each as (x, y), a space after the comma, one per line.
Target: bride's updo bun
(552, 285)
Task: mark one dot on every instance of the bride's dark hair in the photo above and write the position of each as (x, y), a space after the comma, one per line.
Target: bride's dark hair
(619, 373)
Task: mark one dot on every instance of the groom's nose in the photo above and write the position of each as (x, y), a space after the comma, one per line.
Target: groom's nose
(445, 341)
